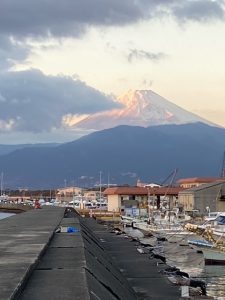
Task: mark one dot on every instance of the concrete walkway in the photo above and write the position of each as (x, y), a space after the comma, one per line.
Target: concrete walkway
(38, 261)
(24, 238)
(141, 272)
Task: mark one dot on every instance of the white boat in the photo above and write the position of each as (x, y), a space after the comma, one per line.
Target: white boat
(212, 216)
(213, 248)
(166, 226)
(212, 230)
(130, 221)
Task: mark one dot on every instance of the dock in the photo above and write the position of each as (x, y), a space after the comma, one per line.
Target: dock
(53, 253)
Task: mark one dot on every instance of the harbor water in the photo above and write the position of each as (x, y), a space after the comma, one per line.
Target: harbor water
(4, 215)
(187, 259)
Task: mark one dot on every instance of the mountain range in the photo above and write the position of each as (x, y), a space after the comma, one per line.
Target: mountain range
(122, 154)
(4, 149)
(147, 138)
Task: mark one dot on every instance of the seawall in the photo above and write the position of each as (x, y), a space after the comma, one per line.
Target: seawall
(39, 259)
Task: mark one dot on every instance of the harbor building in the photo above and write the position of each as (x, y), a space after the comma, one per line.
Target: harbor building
(204, 197)
(195, 181)
(125, 198)
(128, 199)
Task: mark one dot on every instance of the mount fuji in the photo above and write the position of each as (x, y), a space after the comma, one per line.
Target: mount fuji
(140, 108)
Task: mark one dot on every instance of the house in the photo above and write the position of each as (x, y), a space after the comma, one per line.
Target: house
(66, 194)
(165, 196)
(90, 195)
(203, 197)
(195, 181)
(143, 184)
(69, 191)
(122, 198)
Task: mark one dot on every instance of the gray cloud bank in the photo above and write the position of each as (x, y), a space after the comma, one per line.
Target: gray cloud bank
(32, 101)
(201, 10)
(11, 51)
(43, 18)
(40, 19)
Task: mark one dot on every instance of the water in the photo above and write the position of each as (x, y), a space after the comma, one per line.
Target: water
(4, 215)
(188, 260)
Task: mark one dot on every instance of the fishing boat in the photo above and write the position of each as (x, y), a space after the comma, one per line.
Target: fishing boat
(213, 248)
(165, 225)
(212, 216)
(132, 222)
(212, 230)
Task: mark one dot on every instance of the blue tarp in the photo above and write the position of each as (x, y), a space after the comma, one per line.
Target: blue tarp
(72, 229)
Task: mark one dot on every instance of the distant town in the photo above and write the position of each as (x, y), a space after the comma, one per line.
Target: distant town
(198, 194)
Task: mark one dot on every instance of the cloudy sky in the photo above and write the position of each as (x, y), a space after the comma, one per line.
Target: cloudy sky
(63, 59)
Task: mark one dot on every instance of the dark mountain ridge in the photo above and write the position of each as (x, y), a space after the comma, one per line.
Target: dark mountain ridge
(126, 153)
(5, 149)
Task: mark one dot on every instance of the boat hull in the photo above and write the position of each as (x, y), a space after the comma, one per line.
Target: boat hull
(213, 256)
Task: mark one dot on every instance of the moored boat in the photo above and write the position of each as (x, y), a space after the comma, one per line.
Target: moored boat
(213, 256)
(173, 232)
(213, 230)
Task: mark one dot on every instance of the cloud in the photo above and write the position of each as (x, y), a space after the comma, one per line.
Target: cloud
(200, 10)
(24, 19)
(147, 83)
(46, 18)
(135, 54)
(11, 51)
(32, 101)
(188, 10)
(129, 174)
(64, 18)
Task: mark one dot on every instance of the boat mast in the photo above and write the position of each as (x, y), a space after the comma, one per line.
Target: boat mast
(100, 187)
(108, 179)
(1, 183)
(149, 212)
(169, 186)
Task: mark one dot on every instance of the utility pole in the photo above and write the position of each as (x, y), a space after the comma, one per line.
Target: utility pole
(222, 174)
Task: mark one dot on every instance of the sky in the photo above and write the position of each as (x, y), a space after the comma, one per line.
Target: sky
(61, 60)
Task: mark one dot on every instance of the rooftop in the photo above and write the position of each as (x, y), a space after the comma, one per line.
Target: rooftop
(160, 191)
(198, 180)
(126, 191)
(204, 186)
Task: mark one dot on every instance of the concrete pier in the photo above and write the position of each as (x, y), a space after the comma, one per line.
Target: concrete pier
(24, 238)
(39, 259)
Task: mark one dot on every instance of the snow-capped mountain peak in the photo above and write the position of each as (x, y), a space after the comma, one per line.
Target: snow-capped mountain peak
(140, 108)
